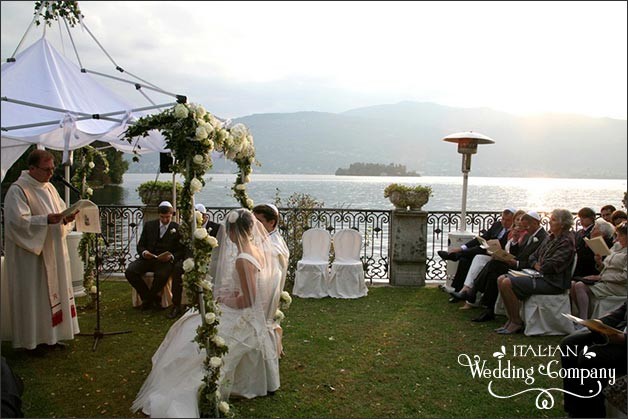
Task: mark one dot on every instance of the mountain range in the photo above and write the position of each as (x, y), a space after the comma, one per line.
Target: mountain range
(411, 133)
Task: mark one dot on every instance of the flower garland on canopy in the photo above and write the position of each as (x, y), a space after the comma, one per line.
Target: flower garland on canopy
(85, 157)
(192, 134)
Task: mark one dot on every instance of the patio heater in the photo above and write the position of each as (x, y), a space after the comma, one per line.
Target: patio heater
(467, 145)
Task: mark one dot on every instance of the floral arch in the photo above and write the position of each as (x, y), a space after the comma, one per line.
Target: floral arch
(192, 134)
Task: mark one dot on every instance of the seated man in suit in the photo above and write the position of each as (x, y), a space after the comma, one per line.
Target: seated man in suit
(486, 282)
(177, 283)
(610, 352)
(465, 253)
(585, 265)
(161, 252)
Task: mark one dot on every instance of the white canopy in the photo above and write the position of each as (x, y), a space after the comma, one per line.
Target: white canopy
(47, 100)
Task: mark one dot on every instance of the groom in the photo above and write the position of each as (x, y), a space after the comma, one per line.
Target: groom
(161, 252)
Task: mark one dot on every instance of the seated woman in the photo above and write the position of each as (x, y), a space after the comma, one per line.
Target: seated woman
(244, 290)
(553, 260)
(610, 282)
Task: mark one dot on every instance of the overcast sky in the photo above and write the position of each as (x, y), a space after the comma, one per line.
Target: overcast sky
(240, 58)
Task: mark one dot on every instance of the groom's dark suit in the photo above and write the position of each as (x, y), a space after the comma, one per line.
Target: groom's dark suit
(150, 241)
(465, 257)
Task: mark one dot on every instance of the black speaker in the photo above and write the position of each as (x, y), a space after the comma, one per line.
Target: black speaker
(165, 163)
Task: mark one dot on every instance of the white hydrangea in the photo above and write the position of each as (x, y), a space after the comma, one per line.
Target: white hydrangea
(279, 316)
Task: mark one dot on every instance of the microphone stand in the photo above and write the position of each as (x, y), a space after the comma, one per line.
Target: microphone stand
(98, 334)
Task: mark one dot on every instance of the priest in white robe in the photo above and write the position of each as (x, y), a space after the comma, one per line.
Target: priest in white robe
(42, 308)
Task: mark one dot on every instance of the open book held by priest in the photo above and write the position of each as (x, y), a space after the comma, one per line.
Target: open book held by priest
(88, 218)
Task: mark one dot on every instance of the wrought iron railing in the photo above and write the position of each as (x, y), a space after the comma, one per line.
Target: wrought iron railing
(121, 230)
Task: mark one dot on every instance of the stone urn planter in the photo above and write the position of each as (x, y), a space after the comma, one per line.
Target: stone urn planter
(408, 197)
(153, 193)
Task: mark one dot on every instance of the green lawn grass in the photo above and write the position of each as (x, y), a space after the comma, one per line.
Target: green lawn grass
(393, 353)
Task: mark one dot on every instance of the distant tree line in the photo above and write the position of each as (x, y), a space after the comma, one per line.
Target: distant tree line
(375, 169)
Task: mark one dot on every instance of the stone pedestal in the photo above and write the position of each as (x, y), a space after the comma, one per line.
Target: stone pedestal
(408, 253)
(456, 239)
(76, 263)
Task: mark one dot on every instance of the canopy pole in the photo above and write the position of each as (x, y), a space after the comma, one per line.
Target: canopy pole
(67, 190)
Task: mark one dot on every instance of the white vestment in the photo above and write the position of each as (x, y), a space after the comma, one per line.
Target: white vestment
(28, 238)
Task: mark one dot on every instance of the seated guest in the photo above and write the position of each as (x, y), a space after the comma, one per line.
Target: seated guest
(177, 281)
(607, 212)
(516, 235)
(210, 226)
(464, 254)
(161, 252)
(618, 217)
(487, 280)
(582, 397)
(553, 259)
(585, 264)
(610, 282)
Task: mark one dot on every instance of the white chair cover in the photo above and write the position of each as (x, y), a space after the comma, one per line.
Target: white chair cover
(347, 273)
(166, 293)
(601, 306)
(312, 275)
(542, 314)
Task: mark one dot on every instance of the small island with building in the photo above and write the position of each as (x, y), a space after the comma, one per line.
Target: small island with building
(375, 169)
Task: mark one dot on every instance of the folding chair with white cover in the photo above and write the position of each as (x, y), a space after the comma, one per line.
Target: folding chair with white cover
(312, 274)
(347, 272)
(541, 313)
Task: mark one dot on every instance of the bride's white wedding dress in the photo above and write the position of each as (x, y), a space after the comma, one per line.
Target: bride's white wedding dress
(250, 369)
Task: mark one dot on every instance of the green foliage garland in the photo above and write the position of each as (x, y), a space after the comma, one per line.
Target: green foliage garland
(85, 158)
(191, 134)
(53, 10)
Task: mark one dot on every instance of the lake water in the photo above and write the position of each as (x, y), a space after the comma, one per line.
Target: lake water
(483, 194)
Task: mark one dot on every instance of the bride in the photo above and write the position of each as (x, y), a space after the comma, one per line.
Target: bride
(246, 290)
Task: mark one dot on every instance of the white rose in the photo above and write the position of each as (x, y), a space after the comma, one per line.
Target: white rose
(188, 264)
(89, 191)
(201, 133)
(285, 296)
(210, 318)
(200, 233)
(279, 316)
(173, 230)
(215, 362)
(240, 187)
(92, 258)
(246, 179)
(200, 111)
(220, 342)
(239, 131)
(91, 165)
(199, 217)
(249, 203)
(207, 286)
(195, 185)
(198, 159)
(212, 241)
(180, 111)
(223, 407)
(92, 290)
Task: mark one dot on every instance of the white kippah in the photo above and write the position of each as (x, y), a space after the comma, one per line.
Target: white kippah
(274, 208)
(165, 204)
(200, 208)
